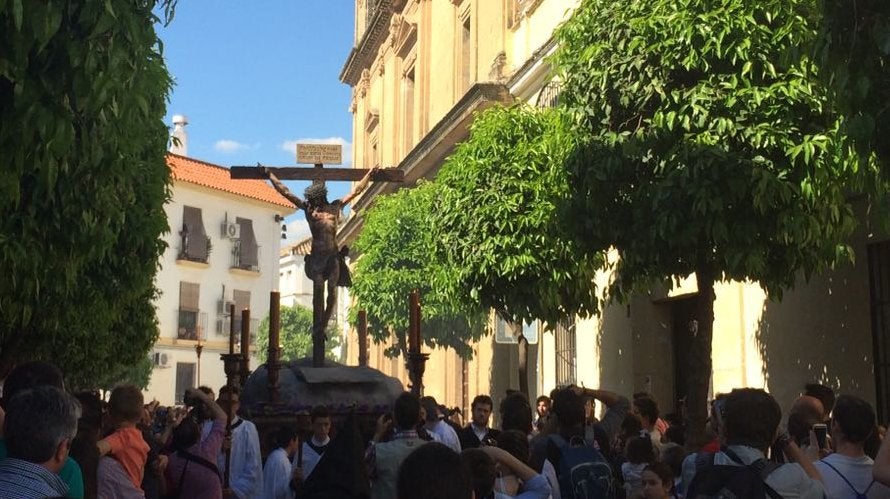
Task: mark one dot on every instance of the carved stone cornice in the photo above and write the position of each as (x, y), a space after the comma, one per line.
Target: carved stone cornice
(526, 8)
(401, 30)
(364, 83)
(362, 56)
(497, 68)
(394, 22)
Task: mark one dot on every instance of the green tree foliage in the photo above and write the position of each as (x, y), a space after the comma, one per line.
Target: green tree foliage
(855, 54)
(397, 248)
(499, 226)
(83, 91)
(138, 374)
(498, 220)
(710, 149)
(295, 335)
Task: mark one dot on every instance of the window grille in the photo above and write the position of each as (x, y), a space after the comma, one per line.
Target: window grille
(185, 379)
(549, 95)
(565, 352)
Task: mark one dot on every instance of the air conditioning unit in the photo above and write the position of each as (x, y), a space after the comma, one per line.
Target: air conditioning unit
(223, 326)
(231, 230)
(160, 359)
(223, 307)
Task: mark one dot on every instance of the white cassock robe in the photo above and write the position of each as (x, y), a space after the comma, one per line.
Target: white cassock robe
(246, 467)
(277, 475)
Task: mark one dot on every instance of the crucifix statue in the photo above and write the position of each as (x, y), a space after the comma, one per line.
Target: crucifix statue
(325, 264)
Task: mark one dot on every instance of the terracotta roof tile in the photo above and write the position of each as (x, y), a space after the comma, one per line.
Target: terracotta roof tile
(217, 177)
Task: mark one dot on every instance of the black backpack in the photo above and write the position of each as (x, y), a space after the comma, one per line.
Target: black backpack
(581, 470)
(729, 481)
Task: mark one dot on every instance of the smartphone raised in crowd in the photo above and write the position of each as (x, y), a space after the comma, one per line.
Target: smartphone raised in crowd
(821, 431)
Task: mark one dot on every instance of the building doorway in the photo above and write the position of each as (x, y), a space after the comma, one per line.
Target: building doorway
(879, 290)
(684, 327)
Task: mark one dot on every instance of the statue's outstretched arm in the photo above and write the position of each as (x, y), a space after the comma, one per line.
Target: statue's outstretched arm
(282, 189)
(360, 187)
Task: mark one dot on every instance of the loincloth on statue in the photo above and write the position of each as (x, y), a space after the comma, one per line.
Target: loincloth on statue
(323, 264)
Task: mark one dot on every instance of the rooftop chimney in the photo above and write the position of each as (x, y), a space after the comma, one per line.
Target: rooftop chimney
(179, 142)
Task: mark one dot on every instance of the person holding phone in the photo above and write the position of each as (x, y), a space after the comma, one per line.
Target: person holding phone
(383, 458)
(820, 430)
(848, 472)
(749, 425)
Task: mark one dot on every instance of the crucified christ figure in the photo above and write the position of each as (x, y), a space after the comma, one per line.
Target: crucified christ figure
(325, 261)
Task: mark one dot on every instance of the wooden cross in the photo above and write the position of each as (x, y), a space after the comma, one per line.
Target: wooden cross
(318, 174)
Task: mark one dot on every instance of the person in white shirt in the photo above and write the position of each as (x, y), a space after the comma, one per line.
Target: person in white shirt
(278, 473)
(246, 462)
(315, 447)
(847, 472)
(439, 429)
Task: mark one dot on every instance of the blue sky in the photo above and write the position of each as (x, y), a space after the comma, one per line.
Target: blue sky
(253, 78)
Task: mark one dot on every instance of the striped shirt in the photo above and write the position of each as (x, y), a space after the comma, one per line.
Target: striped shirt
(23, 480)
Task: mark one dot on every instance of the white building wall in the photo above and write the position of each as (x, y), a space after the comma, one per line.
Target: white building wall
(295, 287)
(216, 206)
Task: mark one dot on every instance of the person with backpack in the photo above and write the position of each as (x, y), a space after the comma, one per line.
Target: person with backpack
(847, 472)
(582, 471)
(750, 421)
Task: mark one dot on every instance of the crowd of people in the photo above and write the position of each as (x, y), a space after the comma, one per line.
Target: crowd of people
(58, 445)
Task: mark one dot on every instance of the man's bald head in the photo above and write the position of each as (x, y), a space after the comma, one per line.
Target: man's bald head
(805, 412)
(808, 406)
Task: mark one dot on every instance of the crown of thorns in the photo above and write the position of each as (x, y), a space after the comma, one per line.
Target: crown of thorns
(316, 192)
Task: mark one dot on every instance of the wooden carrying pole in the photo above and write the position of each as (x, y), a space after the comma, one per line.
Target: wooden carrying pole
(245, 344)
(274, 351)
(414, 322)
(416, 360)
(229, 383)
(362, 338)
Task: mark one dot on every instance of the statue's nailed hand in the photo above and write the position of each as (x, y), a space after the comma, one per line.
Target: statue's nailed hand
(263, 170)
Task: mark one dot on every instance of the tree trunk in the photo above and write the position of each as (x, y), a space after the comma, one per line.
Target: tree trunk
(698, 382)
(523, 358)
